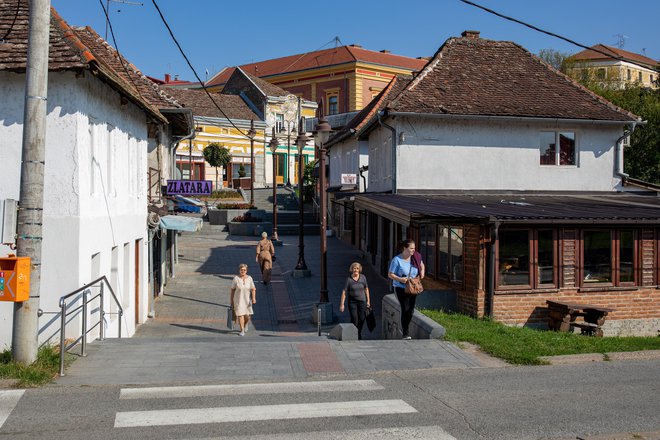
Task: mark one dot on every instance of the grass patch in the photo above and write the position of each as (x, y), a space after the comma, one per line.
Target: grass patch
(525, 346)
(40, 372)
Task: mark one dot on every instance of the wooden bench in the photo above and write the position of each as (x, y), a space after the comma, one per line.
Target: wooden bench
(562, 316)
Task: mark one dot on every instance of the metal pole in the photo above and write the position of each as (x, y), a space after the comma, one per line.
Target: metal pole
(102, 314)
(62, 336)
(252, 134)
(274, 236)
(324, 238)
(288, 154)
(301, 218)
(84, 323)
(30, 215)
(318, 315)
(190, 172)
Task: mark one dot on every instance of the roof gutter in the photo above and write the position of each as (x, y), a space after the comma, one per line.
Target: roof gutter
(515, 118)
(393, 130)
(619, 150)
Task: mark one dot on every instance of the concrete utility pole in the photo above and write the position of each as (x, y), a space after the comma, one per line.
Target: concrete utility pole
(30, 215)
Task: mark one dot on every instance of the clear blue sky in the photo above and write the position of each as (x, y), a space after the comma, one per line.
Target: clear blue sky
(219, 33)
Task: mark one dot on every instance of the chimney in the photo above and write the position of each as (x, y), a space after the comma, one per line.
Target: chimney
(356, 45)
(470, 34)
(167, 78)
(385, 51)
(176, 77)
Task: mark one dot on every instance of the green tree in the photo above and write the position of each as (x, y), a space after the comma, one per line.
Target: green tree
(556, 59)
(309, 182)
(217, 156)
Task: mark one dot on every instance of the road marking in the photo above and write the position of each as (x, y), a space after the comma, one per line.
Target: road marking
(250, 388)
(8, 400)
(132, 419)
(404, 433)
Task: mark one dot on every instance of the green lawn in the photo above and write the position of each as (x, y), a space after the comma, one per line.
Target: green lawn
(41, 372)
(521, 345)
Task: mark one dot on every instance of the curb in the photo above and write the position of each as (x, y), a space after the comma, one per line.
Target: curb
(601, 357)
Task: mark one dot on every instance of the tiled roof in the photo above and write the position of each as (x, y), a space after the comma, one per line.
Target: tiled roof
(592, 55)
(365, 115)
(197, 100)
(475, 76)
(76, 49)
(320, 58)
(266, 87)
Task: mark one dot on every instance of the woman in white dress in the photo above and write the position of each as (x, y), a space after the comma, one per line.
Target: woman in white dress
(243, 295)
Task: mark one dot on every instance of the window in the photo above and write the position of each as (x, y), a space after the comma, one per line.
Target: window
(427, 247)
(450, 254)
(609, 257)
(600, 73)
(640, 76)
(550, 154)
(629, 74)
(279, 122)
(333, 105)
(527, 258)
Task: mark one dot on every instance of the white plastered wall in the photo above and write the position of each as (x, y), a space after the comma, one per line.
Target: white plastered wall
(90, 206)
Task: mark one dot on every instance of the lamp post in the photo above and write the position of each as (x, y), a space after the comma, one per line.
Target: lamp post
(273, 148)
(321, 136)
(301, 267)
(251, 134)
(290, 128)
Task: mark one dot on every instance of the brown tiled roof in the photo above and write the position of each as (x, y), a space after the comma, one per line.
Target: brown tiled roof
(320, 58)
(474, 76)
(365, 115)
(266, 87)
(201, 105)
(591, 55)
(74, 49)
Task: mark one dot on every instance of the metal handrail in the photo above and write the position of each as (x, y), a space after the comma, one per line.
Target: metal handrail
(64, 313)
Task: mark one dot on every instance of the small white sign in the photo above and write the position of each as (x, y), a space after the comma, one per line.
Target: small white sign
(348, 179)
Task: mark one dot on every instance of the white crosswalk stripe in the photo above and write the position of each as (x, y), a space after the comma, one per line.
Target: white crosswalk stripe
(257, 388)
(261, 412)
(403, 433)
(8, 400)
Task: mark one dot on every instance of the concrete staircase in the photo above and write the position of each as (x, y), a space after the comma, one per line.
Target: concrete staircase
(287, 211)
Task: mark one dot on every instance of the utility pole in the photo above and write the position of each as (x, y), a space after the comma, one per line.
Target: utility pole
(30, 214)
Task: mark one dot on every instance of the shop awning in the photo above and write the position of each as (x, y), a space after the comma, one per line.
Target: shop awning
(181, 223)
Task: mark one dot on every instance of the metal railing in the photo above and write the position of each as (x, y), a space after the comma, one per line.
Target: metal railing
(64, 312)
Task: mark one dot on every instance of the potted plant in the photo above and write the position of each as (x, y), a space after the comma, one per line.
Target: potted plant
(223, 213)
(249, 224)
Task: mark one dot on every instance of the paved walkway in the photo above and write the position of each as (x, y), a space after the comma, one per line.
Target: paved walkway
(188, 340)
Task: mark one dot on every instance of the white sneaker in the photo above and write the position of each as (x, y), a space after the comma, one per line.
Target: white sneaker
(241, 334)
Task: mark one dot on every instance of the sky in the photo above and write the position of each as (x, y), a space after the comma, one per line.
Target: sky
(218, 33)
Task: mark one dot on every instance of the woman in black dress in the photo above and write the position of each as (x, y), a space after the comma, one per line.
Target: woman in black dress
(356, 291)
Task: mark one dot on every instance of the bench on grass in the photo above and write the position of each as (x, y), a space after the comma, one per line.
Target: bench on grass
(562, 316)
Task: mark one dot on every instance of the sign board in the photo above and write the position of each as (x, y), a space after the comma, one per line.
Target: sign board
(349, 179)
(189, 187)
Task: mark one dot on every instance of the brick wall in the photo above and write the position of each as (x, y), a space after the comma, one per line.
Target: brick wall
(471, 299)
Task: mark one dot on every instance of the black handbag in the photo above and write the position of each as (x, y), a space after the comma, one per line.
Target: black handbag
(371, 319)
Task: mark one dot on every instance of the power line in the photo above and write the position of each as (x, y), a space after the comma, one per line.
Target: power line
(552, 34)
(194, 71)
(18, 8)
(306, 53)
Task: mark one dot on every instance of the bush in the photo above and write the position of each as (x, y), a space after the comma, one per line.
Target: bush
(246, 218)
(225, 194)
(235, 206)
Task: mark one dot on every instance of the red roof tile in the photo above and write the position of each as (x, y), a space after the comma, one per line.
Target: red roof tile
(201, 105)
(592, 55)
(474, 76)
(320, 58)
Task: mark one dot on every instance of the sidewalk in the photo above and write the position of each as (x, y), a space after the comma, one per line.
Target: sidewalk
(188, 341)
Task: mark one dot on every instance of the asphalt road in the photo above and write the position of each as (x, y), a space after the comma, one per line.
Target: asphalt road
(548, 402)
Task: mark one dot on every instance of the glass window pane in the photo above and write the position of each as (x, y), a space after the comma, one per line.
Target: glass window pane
(548, 149)
(626, 256)
(456, 254)
(431, 251)
(566, 148)
(546, 257)
(597, 257)
(443, 252)
(514, 258)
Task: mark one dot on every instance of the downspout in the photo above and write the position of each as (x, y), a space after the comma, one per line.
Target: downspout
(619, 151)
(361, 170)
(393, 130)
(491, 279)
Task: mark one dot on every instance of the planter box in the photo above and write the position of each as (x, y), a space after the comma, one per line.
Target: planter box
(252, 229)
(224, 216)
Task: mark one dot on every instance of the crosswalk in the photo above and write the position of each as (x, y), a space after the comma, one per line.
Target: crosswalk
(275, 412)
(8, 400)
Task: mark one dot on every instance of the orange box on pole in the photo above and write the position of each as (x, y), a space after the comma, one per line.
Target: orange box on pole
(14, 278)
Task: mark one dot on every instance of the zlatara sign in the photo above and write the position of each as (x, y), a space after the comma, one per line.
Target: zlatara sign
(189, 187)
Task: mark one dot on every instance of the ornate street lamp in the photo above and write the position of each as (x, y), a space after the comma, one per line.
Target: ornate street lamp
(251, 134)
(290, 129)
(301, 268)
(273, 144)
(321, 136)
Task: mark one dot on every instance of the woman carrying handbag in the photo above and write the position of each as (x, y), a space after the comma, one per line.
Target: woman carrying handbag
(401, 269)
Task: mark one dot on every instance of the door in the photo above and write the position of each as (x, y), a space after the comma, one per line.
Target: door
(280, 168)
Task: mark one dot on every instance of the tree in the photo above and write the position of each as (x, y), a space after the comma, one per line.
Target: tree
(217, 156)
(556, 59)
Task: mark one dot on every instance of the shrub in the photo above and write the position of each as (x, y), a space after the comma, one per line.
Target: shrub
(246, 218)
(235, 206)
(225, 194)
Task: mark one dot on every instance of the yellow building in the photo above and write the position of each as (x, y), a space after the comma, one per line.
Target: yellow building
(245, 101)
(340, 80)
(615, 71)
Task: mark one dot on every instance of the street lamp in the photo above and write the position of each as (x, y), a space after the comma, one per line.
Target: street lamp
(273, 144)
(251, 134)
(290, 128)
(301, 268)
(321, 136)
